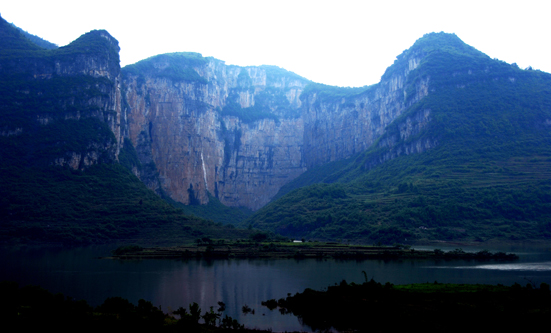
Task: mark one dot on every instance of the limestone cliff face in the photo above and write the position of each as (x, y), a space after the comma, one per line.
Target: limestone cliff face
(240, 134)
(403, 140)
(339, 123)
(59, 88)
(195, 129)
(100, 61)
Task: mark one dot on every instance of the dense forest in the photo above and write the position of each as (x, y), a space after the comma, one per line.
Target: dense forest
(485, 177)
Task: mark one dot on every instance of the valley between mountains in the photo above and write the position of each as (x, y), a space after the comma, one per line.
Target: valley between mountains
(450, 145)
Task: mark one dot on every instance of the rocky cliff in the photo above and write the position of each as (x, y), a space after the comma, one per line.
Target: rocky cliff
(205, 127)
(61, 106)
(200, 126)
(456, 153)
(340, 122)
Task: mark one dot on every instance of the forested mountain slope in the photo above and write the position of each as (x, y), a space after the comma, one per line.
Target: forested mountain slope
(450, 145)
(471, 160)
(60, 147)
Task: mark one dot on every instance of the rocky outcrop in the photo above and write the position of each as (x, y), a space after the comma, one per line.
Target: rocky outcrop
(198, 126)
(339, 123)
(199, 134)
(240, 134)
(51, 91)
(403, 139)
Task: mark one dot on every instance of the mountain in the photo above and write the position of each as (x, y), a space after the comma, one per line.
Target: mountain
(467, 158)
(61, 179)
(202, 128)
(450, 145)
(207, 131)
(37, 40)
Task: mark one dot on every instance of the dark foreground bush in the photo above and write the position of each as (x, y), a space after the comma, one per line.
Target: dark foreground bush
(33, 309)
(372, 306)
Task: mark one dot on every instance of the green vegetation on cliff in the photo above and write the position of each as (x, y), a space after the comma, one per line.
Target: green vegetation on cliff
(247, 115)
(52, 116)
(37, 40)
(469, 162)
(102, 203)
(269, 103)
(13, 40)
(328, 94)
(49, 108)
(18, 54)
(173, 66)
(275, 74)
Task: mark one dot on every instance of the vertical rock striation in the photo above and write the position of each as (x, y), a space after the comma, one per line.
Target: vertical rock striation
(210, 128)
(200, 126)
(64, 104)
(340, 122)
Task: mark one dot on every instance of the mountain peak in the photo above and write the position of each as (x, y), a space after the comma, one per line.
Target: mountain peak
(441, 41)
(439, 44)
(95, 41)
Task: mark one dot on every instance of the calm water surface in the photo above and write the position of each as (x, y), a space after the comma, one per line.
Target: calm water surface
(174, 283)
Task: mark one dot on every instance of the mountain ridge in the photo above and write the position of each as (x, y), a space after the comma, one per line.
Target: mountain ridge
(477, 128)
(196, 130)
(60, 143)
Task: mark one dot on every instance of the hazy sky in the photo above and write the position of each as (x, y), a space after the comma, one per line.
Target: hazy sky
(344, 43)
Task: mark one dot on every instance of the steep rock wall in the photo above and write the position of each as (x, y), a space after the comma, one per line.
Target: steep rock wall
(51, 91)
(240, 134)
(337, 126)
(404, 139)
(197, 145)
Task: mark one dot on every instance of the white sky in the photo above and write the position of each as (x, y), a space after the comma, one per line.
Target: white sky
(344, 43)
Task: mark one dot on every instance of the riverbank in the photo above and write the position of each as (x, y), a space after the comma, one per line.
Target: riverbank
(32, 308)
(434, 307)
(345, 307)
(299, 250)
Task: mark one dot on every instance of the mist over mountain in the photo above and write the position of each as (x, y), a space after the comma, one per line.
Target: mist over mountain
(449, 145)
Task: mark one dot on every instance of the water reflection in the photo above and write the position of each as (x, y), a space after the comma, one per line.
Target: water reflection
(172, 283)
(537, 267)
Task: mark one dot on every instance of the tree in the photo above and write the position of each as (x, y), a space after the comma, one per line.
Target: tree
(195, 312)
(210, 317)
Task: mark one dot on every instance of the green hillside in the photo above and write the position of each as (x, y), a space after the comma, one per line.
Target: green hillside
(103, 203)
(484, 176)
(37, 40)
(177, 67)
(470, 161)
(45, 117)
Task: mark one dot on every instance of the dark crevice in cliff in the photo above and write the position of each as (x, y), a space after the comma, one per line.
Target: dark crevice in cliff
(193, 200)
(151, 132)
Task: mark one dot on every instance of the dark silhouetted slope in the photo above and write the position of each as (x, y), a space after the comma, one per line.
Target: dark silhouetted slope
(60, 148)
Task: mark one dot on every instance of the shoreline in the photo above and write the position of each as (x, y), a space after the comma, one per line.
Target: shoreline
(273, 250)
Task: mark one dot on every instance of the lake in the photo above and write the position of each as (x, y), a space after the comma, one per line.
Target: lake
(173, 283)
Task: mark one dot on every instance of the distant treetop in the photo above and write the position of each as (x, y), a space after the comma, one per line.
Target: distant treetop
(36, 40)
